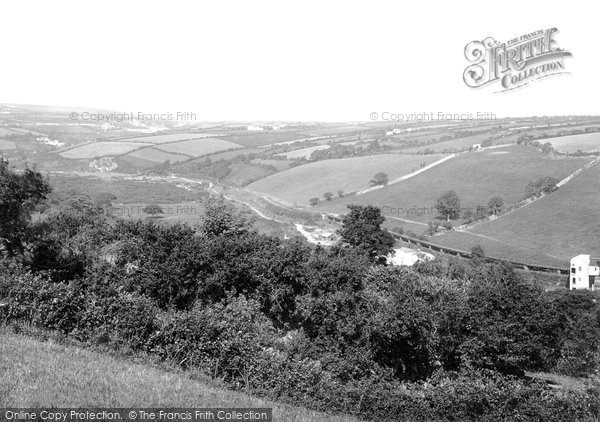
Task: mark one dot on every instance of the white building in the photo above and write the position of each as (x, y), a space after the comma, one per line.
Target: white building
(476, 147)
(254, 128)
(394, 132)
(585, 272)
(407, 256)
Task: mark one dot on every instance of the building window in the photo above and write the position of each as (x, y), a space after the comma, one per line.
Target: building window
(579, 268)
(574, 280)
(573, 270)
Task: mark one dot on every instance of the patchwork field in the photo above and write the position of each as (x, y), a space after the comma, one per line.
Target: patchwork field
(262, 138)
(459, 144)
(587, 142)
(174, 137)
(475, 176)
(104, 148)
(563, 224)
(158, 156)
(303, 152)
(297, 185)
(198, 147)
(336, 130)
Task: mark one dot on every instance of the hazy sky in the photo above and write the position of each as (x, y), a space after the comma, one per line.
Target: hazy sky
(283, 60)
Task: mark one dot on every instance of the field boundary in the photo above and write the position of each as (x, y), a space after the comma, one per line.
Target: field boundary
(464, 254)
(406, 176)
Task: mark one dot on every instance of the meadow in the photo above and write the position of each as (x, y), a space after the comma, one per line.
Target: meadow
(158, 156)
(474, 176)
(102, 149)
(563, 224)
(459, 144)
(167, 138)
(303, 152)
(198, 147)
(46, 373)
(253, 139)
(66, 188)
(297, 185)
(586, 142)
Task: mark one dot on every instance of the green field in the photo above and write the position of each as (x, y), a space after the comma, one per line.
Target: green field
(66, 188)
(475, 176)
(587, 142)
(158, 156)
(518, 252)
(563, 224)
(174, 137)
(36, 373)
(459, 144)
(297, 185)
(198, 147)
(303, 152)
(253, 139)
(104, 148)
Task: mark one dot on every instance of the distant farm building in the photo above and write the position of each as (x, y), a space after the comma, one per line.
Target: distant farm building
(407, 256)
(476, 147)
(585, 272)
(394, 132)
(254, 128)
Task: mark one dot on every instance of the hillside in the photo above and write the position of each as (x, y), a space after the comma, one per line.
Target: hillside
(36, 373)
(299, 184)
(563, 224)
(475, 176)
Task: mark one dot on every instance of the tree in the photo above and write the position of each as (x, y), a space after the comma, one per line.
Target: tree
(328, 196)
(104, 201)
(495, 205)
(362, 229)
(153, 209)
(477, 251)
(379, 179)
(20, 193)
(313, 201)
(448, 205)
(220, 218)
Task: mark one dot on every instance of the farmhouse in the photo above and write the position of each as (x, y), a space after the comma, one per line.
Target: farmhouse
(476, 147)
(585, 272)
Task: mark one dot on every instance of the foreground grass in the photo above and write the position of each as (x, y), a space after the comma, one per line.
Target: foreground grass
(35, 373)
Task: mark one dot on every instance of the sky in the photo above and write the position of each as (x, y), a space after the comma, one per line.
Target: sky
(286, 60)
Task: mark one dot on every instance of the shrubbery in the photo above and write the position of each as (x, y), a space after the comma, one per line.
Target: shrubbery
(332, 329)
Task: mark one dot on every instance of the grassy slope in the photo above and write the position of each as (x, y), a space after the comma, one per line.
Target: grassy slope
(587, 142)
(198, 147)
(475, 176)
(35, 373)
(564, 223)
(461, 143)
(301, 183)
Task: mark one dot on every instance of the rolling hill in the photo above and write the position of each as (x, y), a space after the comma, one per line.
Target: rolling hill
(475, 176)
(297, 185)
